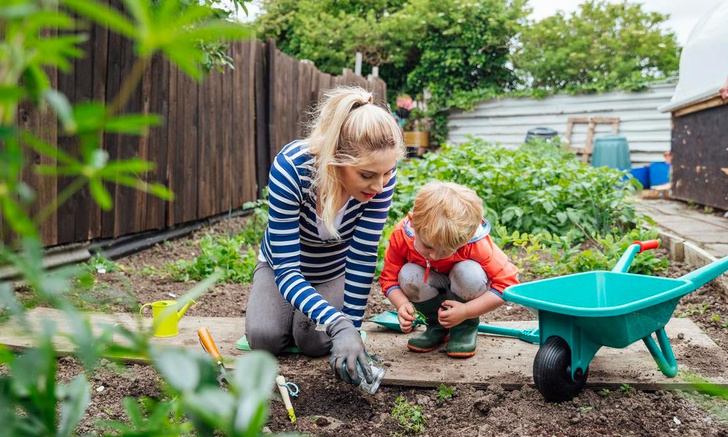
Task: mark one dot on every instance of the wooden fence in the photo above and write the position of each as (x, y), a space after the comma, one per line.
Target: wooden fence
(213, 150)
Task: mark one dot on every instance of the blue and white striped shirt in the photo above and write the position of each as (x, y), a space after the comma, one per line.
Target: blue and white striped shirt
(298, 255)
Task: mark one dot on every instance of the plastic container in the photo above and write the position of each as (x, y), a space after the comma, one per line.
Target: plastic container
(541, 132)
(659, 173)
(642, 174)
(611, 151)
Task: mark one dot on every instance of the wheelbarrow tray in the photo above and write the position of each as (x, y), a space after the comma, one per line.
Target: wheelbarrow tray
(609, 308)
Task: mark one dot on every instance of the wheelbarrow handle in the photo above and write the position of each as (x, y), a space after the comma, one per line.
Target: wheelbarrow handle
(208, 343)
(647, 245)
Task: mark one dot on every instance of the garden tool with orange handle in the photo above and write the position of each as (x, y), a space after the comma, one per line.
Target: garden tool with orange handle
(208, 344)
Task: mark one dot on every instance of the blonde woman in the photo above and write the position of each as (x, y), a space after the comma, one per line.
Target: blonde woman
(329, 196)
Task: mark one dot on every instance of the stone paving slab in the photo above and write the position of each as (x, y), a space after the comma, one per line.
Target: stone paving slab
(500, 360)
(707, 231)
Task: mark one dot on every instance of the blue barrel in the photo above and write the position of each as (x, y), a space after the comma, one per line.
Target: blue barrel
(659, 173)
(642, 174)
(611, 151)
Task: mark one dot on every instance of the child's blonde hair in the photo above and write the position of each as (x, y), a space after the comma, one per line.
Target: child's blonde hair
(347, 127)
(446, 215)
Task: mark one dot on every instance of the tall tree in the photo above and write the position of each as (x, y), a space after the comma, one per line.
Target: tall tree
(601, 46)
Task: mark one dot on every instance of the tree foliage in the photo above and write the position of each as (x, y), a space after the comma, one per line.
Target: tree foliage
(600, 47)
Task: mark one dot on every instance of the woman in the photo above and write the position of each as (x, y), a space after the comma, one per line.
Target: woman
(329, 196)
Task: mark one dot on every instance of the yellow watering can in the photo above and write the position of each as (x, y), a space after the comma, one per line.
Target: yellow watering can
(165, 317)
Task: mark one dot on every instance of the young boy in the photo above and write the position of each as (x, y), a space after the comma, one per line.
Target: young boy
(440, 261)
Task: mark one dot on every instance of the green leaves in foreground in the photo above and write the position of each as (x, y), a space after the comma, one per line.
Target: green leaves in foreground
(177, 28)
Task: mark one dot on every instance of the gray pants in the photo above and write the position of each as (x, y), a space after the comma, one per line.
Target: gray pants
(467, 280)
(272, 323)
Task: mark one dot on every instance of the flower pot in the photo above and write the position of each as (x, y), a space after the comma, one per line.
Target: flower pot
(416, 139)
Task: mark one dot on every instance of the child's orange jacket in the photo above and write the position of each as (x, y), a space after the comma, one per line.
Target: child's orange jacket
(401, 250)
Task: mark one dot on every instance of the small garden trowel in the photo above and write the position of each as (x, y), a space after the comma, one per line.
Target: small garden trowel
(208, 344)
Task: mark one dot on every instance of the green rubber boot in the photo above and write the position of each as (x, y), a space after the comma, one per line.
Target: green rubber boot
(463, 337)
(434, 334)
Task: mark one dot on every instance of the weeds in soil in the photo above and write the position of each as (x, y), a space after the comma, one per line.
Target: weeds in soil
(693, 310)
(235, 255)
(444, 392)
(718, 321)
(627, 390)
(408, 416)
(605, 392)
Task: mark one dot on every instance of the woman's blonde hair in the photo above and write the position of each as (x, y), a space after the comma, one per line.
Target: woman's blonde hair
(446, 215)
(347, 126)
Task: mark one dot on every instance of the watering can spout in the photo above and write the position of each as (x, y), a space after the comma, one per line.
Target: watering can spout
(707, 273)
(184, 309)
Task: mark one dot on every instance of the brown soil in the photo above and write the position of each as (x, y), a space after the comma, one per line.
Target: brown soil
(331, 408)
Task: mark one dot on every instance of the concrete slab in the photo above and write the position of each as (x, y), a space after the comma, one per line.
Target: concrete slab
(704, 230)
(500, 360)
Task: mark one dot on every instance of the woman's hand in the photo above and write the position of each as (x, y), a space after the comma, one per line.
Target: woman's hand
(452, 313)
(406, 316)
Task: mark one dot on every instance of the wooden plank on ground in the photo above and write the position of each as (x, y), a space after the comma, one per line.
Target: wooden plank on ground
(500, 360)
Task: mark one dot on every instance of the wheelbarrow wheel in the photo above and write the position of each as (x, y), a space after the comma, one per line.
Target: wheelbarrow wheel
(552, 371)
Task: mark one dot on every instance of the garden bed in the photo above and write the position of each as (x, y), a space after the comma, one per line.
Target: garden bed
(328, 407)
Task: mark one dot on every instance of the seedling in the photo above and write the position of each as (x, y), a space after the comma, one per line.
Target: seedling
(605, 392)
(626, 389)
(420, 318)
(408, 416)
(444, 392)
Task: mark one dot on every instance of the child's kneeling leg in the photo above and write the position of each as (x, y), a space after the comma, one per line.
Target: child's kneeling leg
(468, 281)
(426, 298)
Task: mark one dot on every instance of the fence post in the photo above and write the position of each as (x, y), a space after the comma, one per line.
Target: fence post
(264, 63)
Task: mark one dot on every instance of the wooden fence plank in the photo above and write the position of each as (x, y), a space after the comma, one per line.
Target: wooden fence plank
(188, 195)
(173, 168)
(158, 139)
(112, 141)
(126, 219)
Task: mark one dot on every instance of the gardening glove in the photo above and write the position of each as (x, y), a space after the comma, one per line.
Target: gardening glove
(347, 350)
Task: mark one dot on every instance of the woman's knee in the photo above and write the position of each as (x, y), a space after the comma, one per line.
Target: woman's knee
(468, 280)
(267, 339)
(312, 343)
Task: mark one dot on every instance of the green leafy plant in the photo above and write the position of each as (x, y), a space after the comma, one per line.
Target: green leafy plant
(408, 416)
(222, 253)
(600, 47)
(444, 392)
(627, 390)
(32, 401)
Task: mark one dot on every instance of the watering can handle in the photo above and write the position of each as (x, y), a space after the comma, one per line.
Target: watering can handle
(208, 343)
(647, 245)
(143, 306)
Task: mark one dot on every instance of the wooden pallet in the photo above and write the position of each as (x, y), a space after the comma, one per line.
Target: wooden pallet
(586, 151)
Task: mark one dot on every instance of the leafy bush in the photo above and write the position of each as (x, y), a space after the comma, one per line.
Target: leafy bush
(553, 214)
(222, 253)
(531, 189)
(602, 46)
(235, 256)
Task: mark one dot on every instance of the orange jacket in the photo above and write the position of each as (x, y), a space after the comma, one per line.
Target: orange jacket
(401, 250)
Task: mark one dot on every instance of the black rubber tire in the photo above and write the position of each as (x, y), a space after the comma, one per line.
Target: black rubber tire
(552, 371)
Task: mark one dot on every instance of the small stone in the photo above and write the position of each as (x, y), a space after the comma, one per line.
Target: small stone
(322, 421)
(680, 336)
(172, 295)
(575, 419)
(676, 420)
(100, 388)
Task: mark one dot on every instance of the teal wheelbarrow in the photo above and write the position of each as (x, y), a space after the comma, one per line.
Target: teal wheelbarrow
(580, 313)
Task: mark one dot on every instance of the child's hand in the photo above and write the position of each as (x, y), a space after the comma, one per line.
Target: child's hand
(406, 315)
(451, 313)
